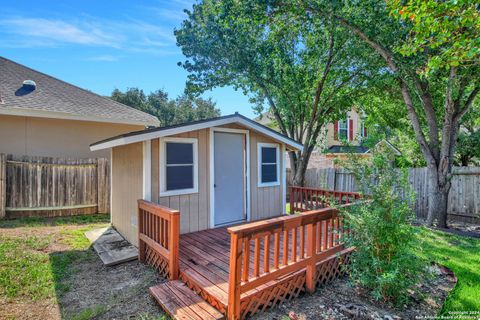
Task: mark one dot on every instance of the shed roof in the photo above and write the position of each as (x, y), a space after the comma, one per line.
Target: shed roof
(54, 98)
(148, 134)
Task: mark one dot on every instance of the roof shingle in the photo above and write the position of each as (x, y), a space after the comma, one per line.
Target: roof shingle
(59, 99)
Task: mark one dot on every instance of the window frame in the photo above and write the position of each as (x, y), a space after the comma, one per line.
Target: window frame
(163, 167)
(259, 164)
(362, 130)
(347, 128)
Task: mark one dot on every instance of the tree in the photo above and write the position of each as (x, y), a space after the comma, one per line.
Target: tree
(431, 49)
(306, 73)
(169, 112)
(468, 150)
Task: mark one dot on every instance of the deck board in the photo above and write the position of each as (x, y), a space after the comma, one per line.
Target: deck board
(205, 258)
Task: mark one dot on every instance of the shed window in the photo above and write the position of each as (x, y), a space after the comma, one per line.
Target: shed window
(268, 166)
(179, 166)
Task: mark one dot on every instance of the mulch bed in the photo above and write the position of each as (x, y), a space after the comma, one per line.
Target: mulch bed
(340, 300)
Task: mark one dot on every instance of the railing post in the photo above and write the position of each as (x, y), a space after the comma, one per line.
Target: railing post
(141, 244)
(292, 208)
(233, 309)
(174, 243)
(311, 252)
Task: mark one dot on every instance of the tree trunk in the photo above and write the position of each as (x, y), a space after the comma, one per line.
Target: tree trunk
(298, 165)
(437, 198)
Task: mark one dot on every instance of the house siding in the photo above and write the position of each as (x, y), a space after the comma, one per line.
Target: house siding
(127, 188)
(330, 138)
(56, 137)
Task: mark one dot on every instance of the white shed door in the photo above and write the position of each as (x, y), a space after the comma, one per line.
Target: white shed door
(229, 178)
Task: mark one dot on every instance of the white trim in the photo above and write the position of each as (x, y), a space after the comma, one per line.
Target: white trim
(212, 170)
(69, 116)
(284, 179)
(147, 170)
(196, 126)
(163, 185)
(111, 186)
(347, 120)
(391, 146)
(260, 145)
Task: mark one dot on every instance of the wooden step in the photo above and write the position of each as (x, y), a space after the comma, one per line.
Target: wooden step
(182, 303)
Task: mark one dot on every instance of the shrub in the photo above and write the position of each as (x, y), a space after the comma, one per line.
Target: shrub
(384, 261)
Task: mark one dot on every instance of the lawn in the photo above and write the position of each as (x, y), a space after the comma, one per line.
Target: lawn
(462, 255)
(47, 267)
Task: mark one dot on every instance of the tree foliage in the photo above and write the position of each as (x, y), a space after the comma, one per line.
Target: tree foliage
(448, 31)
(437, 87)
(306, 72)
(168, 111)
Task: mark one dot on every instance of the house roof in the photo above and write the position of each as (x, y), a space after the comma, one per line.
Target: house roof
(347, 149)
(386, 143)
(53, 98)
(148, 134)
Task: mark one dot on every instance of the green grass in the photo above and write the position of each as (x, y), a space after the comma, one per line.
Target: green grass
(462, 255)
(28, 270)
(56, 221)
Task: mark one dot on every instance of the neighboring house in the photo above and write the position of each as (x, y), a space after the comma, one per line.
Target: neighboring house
(44, 116)
(338, 139)
(217, 172)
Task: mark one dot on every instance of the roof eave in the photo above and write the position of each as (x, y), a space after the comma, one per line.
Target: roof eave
(123, 140)
(68, 116)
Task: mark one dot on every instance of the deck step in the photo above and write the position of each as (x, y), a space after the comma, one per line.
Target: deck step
(182, 303)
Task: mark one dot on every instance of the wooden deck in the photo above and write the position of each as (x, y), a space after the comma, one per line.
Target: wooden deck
(205, 264)
(245, 269)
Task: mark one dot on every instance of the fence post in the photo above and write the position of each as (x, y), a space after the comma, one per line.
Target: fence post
(311, 252)
(234, 281)
(103, 185)
(3, 184)
(173, 243)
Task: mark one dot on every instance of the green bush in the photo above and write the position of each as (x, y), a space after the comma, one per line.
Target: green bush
(384, 261)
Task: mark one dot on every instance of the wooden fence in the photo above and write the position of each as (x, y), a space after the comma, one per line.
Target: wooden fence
(463, 200)
(43, 186)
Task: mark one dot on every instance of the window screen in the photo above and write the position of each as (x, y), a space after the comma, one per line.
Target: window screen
(269, 164)
(179, 171)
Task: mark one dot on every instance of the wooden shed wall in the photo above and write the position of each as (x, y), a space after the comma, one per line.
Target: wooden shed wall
(266, 202)
(127, 188)
(194, 208)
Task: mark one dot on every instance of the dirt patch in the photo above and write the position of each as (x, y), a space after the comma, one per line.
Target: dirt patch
(340, 300)
(119, 292)
(29, 310)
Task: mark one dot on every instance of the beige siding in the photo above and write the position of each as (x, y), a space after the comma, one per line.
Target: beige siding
(194, 208)
(356, 130)
(56, 137)
(266, 202)
(127, 187)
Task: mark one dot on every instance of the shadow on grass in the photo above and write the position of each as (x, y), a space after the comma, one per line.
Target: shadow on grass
(55, 221)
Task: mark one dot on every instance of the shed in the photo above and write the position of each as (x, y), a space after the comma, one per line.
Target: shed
(216, 172)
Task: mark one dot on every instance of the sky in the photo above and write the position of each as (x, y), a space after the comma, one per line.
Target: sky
(103, 45)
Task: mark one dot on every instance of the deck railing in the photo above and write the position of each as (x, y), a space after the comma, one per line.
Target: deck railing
(159, 237)
(306, 199)
(267, 250)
